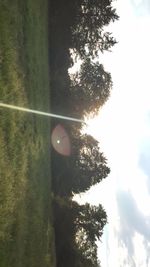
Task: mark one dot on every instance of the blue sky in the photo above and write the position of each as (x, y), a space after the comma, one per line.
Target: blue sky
(123, 130)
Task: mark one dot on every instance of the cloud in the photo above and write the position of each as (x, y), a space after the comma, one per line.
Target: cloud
(132, 222)
(144, 160)
(147, 248)
(141, 7)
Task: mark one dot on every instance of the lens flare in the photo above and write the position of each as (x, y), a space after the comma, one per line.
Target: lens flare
(61, 141)
(38, 112)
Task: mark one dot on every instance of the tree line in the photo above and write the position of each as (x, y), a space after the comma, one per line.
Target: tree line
(78, 26)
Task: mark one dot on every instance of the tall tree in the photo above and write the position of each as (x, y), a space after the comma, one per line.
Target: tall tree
(90, 223)
(81, 226)
(89, 166)
(91, 88)
(92, 220)
(89, 35)
(87, 249)
(86, 166)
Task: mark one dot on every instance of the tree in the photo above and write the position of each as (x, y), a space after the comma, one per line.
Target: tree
(89, 35)
(92, 220)
(90, 223)
(87, 249)
(86, 166)
(89, 166)
(77, 228)
(90, 88)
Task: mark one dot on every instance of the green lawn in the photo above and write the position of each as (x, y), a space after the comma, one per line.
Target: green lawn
(26, 232)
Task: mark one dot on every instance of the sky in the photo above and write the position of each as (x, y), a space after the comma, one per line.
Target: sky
(123, 130)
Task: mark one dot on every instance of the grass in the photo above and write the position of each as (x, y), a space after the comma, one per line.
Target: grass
(26, 232)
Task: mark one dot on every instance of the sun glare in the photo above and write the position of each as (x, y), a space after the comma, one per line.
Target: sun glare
(100, 127)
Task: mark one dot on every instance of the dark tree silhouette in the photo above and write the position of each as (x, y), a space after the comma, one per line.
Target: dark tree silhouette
(91, 88)
(92, 220)
(90, 165)
(77, 227)
(86, 166)
(79, 25)
(89, 35)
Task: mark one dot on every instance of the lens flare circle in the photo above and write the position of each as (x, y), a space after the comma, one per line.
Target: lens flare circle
(61, 141)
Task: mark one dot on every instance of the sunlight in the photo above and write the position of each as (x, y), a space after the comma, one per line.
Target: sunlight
(121, 125)
(102, 127)
(76, 63)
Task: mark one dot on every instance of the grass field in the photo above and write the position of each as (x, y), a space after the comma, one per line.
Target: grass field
(26, 232)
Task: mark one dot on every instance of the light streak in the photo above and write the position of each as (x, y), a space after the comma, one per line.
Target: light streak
(40, 113)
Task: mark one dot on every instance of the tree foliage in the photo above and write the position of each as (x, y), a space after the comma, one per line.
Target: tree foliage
(90, 164)
(77, 232)
(92, 220)
(86, 166)
(80, 26)
(89, 35)
(91, 87)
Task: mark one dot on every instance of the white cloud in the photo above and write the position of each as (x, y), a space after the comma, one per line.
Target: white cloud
(140, 192)
(140, 254)
(141, 7)
(137, 2)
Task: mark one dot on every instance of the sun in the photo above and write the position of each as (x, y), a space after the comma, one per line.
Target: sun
(100, 126)
(92, 126)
